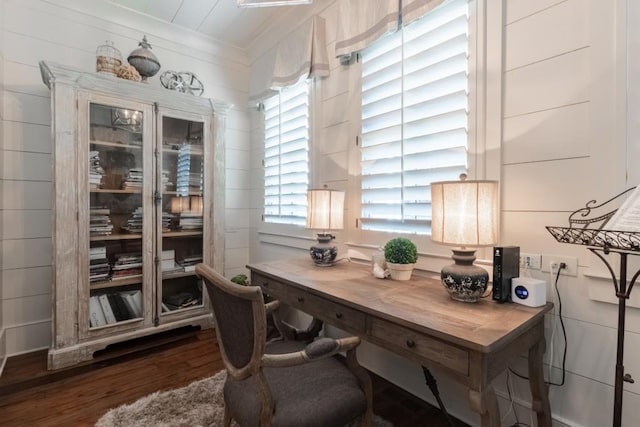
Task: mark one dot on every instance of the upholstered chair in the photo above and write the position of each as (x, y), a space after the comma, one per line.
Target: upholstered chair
(282, 382)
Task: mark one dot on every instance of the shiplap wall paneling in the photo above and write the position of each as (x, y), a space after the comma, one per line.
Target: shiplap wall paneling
(633, 94)
(516, 10)
(547, 134)
(546, 84)
(566, 24)
(68, 32)
(554, 185)
(238, 202)
(254, 219)
(562, 85)
(3, 336)
(332, 142)
(26, 202)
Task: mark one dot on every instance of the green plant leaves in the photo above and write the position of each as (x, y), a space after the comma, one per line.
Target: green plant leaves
(400, 250)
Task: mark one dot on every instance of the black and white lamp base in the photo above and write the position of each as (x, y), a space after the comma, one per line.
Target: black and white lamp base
(463, 280)
(323, 253)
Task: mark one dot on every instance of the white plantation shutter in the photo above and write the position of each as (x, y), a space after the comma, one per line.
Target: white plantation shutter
(286, 159)
(414, 118)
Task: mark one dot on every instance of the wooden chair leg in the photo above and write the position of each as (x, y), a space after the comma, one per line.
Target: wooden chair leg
(365, 384)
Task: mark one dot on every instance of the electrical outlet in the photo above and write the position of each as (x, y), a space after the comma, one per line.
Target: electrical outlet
(530, 261)
(551, 263)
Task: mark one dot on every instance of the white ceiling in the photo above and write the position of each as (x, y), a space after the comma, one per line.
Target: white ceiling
(220, 19)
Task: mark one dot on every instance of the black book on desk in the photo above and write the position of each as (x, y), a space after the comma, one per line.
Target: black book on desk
(506, 266)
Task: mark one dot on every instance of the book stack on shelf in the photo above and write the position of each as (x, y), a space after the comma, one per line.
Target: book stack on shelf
(180, 300)
(100, 222)
(168, 262)
(189, 174)
(167, 219)
(191, 221)
(96, 172)
(98, 264)
(134, 223)
(189, 262)
(133, 179)
(166, 182)
(108, 308)
(127, 265)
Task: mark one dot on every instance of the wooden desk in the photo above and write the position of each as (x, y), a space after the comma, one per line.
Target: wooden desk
(470, 342)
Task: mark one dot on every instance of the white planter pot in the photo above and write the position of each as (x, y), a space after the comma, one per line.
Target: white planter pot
(400, 271)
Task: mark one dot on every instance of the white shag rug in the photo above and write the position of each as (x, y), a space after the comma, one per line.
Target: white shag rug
(200, 404)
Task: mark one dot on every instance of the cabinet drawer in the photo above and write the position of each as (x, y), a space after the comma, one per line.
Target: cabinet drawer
(336, 314)
(409, 341)
(269, 286)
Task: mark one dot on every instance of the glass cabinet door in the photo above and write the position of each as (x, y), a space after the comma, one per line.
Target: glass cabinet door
(181, 184)
(115, 171)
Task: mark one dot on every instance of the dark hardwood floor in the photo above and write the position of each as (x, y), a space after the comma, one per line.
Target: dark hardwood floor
(32, 396)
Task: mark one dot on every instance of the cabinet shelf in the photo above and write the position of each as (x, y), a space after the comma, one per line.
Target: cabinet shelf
(175, 193)
(182, 309)
(115, 283)
(118, 323)
(115, 144)
(134, 236)
(128, 236)
(116, 190)
(182, 233)
(177, 275)
(192, 152)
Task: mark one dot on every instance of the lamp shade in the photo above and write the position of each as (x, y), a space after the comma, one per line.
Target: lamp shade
(195, 205)
(464, 213)
(179, 204)
(325, 209)
(191, 204)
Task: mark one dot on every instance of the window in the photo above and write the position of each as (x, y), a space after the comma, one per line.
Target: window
(286, 155)
(414, 118)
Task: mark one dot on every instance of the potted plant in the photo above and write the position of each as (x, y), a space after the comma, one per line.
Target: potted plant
(401, 255)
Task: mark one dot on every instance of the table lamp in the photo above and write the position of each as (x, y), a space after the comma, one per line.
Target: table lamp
(325, 211)
(464, 213)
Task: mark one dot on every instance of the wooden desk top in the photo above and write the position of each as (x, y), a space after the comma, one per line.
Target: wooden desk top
(421, 303)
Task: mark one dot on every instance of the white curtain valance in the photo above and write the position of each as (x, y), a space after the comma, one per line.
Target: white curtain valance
(261, 75)
(301, 54)
(414, 9)
(360, 22)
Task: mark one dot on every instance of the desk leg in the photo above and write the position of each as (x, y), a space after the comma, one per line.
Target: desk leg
(486, 404)
(539, 390)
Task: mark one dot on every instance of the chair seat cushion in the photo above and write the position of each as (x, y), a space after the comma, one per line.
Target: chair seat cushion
(322, 393)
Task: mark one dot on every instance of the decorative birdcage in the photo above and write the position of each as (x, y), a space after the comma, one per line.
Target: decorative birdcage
(108, 58)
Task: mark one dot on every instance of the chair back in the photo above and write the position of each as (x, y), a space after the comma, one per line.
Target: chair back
(239, 316)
